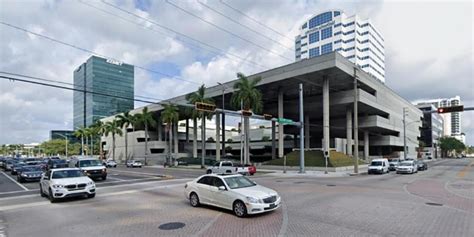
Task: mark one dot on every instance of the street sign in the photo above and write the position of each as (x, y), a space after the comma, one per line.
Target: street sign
(285, 121)
(457, 108)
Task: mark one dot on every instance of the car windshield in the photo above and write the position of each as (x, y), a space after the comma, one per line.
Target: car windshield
(61, 174)
(376, 163)
(31, 168)
(405, 164)
(58, 161)
(88, 163)
(239, 182)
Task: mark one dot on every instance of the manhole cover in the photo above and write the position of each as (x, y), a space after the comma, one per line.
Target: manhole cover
(171, 226)
(299, 182)
(434, 204)
(330, 185)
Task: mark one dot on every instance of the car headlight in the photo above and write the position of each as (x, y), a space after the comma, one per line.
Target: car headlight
(253, 200)
(58, 186)
(24, 175)
(90, 183)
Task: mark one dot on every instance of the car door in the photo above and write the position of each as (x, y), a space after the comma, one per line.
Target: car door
(45, 181)
(203, 189)
(222, 198)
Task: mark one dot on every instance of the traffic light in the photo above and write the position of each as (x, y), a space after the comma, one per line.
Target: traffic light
(204, 107)
(247, 113)
(457, 108)
(267, 116)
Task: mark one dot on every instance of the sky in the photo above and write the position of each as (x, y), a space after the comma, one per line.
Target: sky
(428, 49)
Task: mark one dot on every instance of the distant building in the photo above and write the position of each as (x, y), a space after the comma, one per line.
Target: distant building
(431, 129)
(61, 134)
(354, 38)
(452, 121)
(106, 77)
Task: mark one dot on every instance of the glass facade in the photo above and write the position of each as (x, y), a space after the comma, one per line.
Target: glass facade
(327, 48)
(314, 52)
(320, 19)
(314, 37)
(326, 33)
(106, 77)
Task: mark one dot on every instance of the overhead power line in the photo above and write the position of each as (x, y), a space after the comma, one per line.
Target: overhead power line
(208, 47)
(72, 84)
(227, 31)
(245, 26)
(91, 52)
(255, 20)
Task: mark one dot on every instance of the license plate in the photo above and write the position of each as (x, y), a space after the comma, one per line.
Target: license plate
(272, 205)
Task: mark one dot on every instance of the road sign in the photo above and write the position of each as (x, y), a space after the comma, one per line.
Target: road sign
(285, 121)
(204, 107)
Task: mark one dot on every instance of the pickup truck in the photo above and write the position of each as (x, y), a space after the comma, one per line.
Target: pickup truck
(227, 167)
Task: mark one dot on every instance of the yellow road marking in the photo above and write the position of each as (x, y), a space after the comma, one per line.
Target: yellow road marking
(465, 170)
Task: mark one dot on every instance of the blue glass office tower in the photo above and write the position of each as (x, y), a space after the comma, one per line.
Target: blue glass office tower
(102, 76)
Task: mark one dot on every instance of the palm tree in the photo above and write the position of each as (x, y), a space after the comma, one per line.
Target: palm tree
(99, 130)
(113, 128)
(247, 97)
(170, 116)
(199, 96)
(146, 118)
(125, 120)
(81, 132)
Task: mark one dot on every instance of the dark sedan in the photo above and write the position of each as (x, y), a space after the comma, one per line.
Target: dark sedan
(29, 173)
(17, 167)
(421, 165)
(57, 163)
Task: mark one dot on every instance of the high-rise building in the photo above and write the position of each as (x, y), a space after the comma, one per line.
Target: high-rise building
(452, 121)
(63, 134)
(103, 76)
(355, 38)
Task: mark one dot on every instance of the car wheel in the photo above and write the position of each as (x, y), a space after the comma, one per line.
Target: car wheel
(240, 209)
(41, 192)
(20, 179)
(91, 195)
(194, 200)
(51, 197)
(209, 172)
(104, 177)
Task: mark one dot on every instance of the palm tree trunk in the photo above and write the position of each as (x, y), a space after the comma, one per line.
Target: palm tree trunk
(146, 142)
(92, 146)
(247, 140)
(87, 144)
(203, 141)
(176, 148)
(195, 149)
(170, 142)
(113, 146)
(82, 145)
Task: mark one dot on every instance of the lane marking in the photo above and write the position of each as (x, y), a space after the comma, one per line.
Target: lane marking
(10, 178)
(142, 173)
(284, 224)
(113, 178)
(466, 168)
(17, 197)
(21, 191)
(143, 183)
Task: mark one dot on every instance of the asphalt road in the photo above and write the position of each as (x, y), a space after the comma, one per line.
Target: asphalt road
(437, 202)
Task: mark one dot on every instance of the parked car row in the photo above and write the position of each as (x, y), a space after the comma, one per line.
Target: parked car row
(409, 166)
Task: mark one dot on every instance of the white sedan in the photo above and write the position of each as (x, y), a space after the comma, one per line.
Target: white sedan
(232, 192)
(134, 163)
(66, 182)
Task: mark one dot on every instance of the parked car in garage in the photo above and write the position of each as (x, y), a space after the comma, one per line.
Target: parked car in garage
(66, 182)
(407, 167)
(29, 173)
(421, 165)
(233, 192)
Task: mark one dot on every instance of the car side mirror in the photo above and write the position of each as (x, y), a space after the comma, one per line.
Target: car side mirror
(221, 188)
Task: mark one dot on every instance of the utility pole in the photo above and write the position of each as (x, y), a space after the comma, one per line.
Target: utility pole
(356, 125)
(301, 130)
(223, 117)
(404, 133)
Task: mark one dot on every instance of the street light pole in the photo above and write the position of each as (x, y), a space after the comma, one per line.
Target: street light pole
(404, 135)
(224, 87)
(301, 130)
(65, 137)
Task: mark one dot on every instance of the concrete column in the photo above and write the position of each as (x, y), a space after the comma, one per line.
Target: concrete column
(223, 135)
(281, 133)
(306, 132)
(187, 130)
(160, 129)
(273, 140)
(366, 145)
(218, 137)
(195, 147)
(175, 137)
(326, 114)
(349, 131)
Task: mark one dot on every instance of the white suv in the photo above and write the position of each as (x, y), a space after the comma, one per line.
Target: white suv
(232, 192)
(66, 182)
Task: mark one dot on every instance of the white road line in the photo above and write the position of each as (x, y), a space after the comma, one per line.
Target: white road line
(126, 180)
(32, 204)
(113, 178)
(208, 225)
(134, 172)
(18, 197)
(21, 191)
(143, 183)
(10, 178)
(284, 224)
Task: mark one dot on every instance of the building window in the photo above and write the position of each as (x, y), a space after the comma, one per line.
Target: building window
(314, 37)
(337, 25)
(303, 52)
(305, 25)
(350, 57)
(327, 48)
(337, 41)
(349, 24)
(349, 32)
(326, 33)
(302, 45)
(320, 19)
(314, 52)
(349, 49)
(337, 13)
(337, 33)
(304, 37)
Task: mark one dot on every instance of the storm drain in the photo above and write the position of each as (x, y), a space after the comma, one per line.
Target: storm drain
(171, 226)
(434, 204)
(330, 185)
